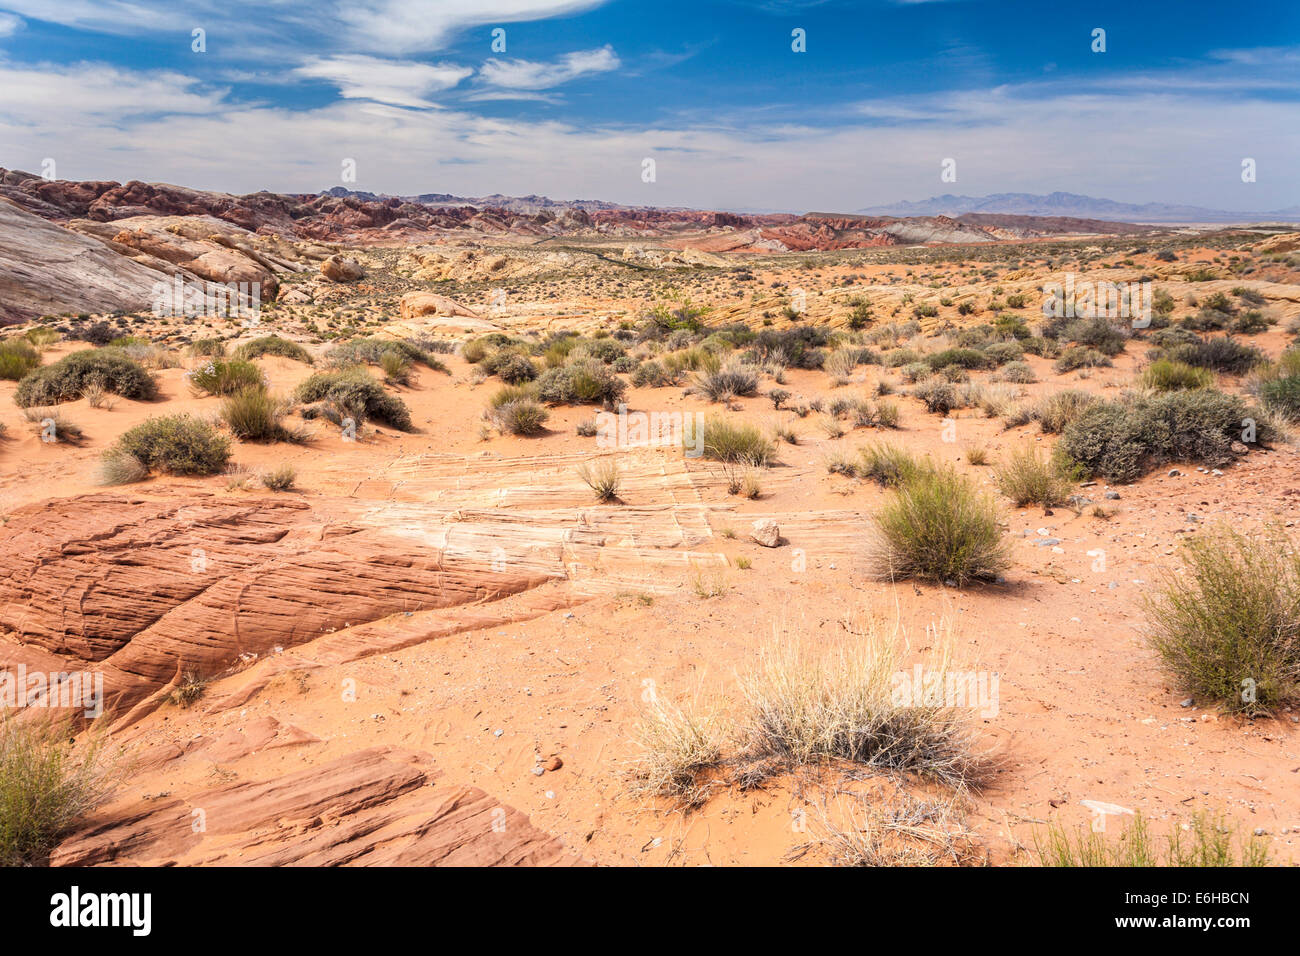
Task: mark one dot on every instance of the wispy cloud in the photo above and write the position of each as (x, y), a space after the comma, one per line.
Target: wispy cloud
(9, 24)
(531, 75)
(401, 83)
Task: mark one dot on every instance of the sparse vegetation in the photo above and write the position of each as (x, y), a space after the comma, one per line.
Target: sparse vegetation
(1228, 627)
(176, 444)
(66, 379)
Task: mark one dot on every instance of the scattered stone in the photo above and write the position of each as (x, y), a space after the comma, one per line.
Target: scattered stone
(1112, 496)
(1189, 702)
(766, 532)
(1047, 542)
(1174, 473)
(553, 764)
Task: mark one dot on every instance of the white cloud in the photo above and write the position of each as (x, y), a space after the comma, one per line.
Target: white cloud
(104, 123)
(9, 24)
(532, 75)
(403, 26)
(401, 83)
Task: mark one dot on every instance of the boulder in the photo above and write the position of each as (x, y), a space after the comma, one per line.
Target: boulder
(339, 268)
(766, 532)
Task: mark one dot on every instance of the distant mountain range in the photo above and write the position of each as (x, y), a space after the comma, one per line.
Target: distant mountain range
(526, 205)
(1075, 206)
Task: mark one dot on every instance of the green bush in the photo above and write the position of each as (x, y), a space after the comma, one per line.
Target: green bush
(1282, 395)
(1000, 353)
(1018, 373)
(519, 417)
(1222, 355)
(1123, 440)
(208, 348)
(177, 444)
(938, 527)
(17, 358)
(584, 382)
(272, 345)
(727, 441)
(966, 358)
(221, 377)
(889, 465)
(1166, 375)
(1228, 627)
(253, 415)
(47, 783)
(1028, 478)
(1080, 356)
(355, 394)
(370, 351)
(66, 379)
(653, 375)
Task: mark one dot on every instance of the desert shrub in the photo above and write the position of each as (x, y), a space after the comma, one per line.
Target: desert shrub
(802, 347)
(839, 365)
(47, 783)
(1174, 335)
(357, 395)
(1228, 627)
(279, 479)
(721, 439)
(370, 351)
(938, 527)
(1018, 373)
(1122, 440)
(516, 369)
(724, 382)
(954, 373)
(221, 377)
(678, 746)
(1000, 353)
(966, 358)
(519, 416)
(914, 372)
(584, 382)
(59, 426)
(396, 367)
(1166, 375)
(1251, 322)
(1080, 356)
(66, 379)
(1282, 395)
(207, 348)
(17, 358)
(117, 467)
(805, 704)
(252, 414)
(177, 444)
(896, 358)
(939, 397)
(888, 465)
(1027, 477)
(1221, 354)
(653, 375)
(1207, 320)
(1207, 840)
(1097, 333)
(272, 345)
(41, 337)
(602, 478)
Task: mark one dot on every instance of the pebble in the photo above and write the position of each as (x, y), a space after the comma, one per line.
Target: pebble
(1189, 702)
(1175, 473)
(1047, 542)
(1112, 496)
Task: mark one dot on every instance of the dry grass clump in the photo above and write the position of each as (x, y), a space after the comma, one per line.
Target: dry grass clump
(118, 467)
(1228, 626)
(602, 478)
(1207, 840)
(1028, 478)
(279, 479)
(907, 831)
(728, 441)
(802, 705)
(47, 783)
(939, 527)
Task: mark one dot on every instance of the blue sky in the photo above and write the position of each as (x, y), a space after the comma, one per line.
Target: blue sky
(711, 90)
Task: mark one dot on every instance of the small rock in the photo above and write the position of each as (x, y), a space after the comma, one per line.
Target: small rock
(1189, 702)
(1174, 473)
(766, 532)
(339, 268)
(1217, 473)
(538, 771)
(1112, 496)
(1047, 542)
(555, 763)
